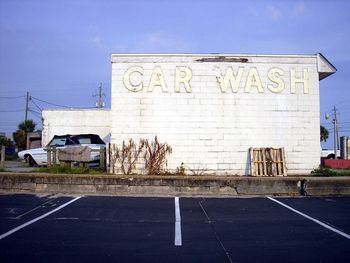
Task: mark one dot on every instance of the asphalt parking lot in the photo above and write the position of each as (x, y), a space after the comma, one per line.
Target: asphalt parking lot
(51, 228)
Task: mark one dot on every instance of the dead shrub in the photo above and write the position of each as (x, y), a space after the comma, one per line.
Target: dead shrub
(128, 155)
(152, 153)
(155, 156)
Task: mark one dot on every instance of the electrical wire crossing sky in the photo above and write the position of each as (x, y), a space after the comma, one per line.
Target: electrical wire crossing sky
(59, 51)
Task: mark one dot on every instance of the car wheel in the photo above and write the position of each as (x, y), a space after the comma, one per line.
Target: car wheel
(330, 156)
(31, 161)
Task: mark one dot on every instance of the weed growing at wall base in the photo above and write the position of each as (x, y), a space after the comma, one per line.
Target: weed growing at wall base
(327, 172)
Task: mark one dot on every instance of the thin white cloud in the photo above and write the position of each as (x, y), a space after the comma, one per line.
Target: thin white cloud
(156, 39)
(274, 13)
(120, 48)
(96, 41)
(160, 42)
(298, 10)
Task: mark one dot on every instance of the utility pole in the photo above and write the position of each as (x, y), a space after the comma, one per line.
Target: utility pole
(100, 103)
(336, 141)
(27, 108)
(26, 117)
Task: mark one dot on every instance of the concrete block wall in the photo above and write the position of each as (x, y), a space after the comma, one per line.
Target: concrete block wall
(211, 130)
(71, 121)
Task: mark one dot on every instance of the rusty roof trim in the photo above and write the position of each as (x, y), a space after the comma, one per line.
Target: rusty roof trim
(222, 59)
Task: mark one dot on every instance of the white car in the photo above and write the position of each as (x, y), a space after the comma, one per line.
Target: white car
(329, 154)
(38, 156)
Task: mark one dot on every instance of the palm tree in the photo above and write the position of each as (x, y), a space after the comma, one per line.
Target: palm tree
(27, 126)
(20, 136)
(323, 134)
(5, 141)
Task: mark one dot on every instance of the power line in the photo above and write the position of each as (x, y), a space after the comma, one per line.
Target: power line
(36, 105)
(50, 103)
(58, 105)
(8, 122)
(346, 102)
(12, 110)
(339, 125)
(35, 113)
(14, 97)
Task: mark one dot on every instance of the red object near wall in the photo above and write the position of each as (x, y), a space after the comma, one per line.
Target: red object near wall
(336, 164)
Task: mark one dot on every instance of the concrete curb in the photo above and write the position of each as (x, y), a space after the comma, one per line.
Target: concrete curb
(228, 186)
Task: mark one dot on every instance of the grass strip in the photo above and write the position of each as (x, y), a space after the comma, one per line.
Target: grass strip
(328, 172)
(67, 170)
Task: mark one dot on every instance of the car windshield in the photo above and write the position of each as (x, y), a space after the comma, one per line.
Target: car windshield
(89, 139)
(58, 142)
(83, 139)
(61, 141)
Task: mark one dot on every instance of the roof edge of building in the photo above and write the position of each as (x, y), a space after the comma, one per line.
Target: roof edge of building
(73, 109)
(209, 55)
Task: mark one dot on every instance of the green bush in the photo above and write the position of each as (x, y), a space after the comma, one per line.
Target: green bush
(327, 172)
(180, 170)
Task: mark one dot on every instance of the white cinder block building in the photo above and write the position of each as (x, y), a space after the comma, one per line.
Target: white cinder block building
(212, 108)
(75, 121)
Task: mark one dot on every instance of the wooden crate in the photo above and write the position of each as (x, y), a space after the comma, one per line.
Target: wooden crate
(268, 162)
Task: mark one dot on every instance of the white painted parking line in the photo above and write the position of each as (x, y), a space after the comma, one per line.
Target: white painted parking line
(311, 218)
(178, 237)
(32, 210)
(37, 219)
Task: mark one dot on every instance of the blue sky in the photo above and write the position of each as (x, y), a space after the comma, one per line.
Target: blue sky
(59, 51)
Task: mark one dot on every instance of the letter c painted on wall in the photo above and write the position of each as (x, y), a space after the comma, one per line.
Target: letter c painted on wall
(127, 82)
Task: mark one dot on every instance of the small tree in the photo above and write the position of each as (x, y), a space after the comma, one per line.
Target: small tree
(5, 142)
(323, 134)
(19, 136)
